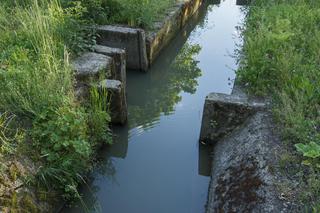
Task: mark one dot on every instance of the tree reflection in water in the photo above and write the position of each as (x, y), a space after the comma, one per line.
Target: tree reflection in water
(163, 90)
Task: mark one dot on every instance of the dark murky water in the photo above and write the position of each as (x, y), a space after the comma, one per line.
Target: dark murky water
(156, 164)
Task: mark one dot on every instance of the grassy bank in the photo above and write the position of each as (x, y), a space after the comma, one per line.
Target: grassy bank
(281, 58)
(37, 39)
(47, 138)
(136, 13)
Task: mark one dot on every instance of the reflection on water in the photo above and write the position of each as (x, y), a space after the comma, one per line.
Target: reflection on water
(161, 92)
(156, 164)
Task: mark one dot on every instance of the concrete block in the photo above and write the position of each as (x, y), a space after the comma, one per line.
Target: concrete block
(92, 66)
(119, 57)
(132, 40)
(118, 102)
(223, 113)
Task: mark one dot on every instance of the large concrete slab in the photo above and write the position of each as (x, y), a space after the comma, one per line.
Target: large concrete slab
(243, 173)
(132, 40)
(92, 66)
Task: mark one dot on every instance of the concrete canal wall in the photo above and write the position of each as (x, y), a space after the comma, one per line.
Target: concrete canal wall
(143, 47)
(245, 149)
(121, 47)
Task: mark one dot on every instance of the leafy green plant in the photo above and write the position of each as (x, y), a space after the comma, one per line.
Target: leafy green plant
(61, 137)
(311, 150)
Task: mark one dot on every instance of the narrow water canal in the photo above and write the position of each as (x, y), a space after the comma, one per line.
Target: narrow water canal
(156, 164)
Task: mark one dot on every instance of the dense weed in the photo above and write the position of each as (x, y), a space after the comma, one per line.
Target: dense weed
(138, 13)
(281, 56)
(37, 38)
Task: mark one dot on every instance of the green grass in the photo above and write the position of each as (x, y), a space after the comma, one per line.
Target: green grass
(281, 58)
(37, 40)
(136, 13)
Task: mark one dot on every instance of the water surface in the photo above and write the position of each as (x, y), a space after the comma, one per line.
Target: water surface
(156, 164)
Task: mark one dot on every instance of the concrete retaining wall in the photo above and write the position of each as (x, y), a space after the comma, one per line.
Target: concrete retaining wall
(141, 47)
(245, 154)
(166, 30)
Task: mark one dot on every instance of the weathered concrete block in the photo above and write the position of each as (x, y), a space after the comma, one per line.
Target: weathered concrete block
(118, 102)
(223, 113)
(132, 40)
(244, 173)
(166, 30)
(119, 57)
(92, 66)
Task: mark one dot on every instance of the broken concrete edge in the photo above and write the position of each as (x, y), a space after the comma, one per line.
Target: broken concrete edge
(119, 57)
(223, 113)
(117, 100)
(132, 40)
(115, 97)
(91, 70)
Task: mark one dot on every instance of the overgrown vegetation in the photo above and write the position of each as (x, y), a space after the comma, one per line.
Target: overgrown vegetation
(139, 13)
(37, 38)
(281, 57)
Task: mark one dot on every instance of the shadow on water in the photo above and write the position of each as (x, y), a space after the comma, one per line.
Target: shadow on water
(155, 164)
